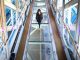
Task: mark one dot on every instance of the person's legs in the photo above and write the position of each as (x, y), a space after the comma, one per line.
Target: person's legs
(39, 22)
(39, 25)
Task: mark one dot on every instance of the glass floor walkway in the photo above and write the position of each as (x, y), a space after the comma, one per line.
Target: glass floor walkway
(40, 41)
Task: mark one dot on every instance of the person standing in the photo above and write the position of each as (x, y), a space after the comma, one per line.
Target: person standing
(39, 17)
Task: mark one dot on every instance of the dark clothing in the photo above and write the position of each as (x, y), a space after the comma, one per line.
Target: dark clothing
(39, 18)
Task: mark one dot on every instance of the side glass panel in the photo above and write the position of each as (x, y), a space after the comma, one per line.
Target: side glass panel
(8, 15)
(70, 19)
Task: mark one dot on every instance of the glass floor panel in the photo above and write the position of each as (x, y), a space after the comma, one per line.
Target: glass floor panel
(39, 51)
(40, 34)
(40, 44)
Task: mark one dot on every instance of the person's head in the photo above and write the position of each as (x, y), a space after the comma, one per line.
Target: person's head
(39, 11)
